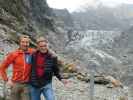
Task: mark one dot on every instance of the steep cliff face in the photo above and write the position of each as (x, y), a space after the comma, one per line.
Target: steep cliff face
(27, 13)
(63, 18)
(32, 17)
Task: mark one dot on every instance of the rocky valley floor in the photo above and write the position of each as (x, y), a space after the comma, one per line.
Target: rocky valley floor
(78, 90)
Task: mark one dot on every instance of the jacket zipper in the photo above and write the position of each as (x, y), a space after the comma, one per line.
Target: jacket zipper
(24, 66)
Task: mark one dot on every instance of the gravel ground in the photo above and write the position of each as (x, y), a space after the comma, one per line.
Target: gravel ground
(77, 90)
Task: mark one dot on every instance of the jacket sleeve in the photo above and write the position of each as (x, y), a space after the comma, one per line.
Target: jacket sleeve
(56, 69)
(5, 64)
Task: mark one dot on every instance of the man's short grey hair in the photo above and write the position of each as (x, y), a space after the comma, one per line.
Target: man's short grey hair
(41, 39)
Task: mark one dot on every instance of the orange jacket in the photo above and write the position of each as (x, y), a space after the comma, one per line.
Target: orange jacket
(21, 69)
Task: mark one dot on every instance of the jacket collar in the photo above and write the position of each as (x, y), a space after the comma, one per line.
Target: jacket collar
(22, 51)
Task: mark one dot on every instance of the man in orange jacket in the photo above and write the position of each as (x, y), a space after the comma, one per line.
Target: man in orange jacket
(20, 59)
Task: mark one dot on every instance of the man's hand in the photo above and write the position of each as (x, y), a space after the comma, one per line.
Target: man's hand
(10, 83)
(64, 81)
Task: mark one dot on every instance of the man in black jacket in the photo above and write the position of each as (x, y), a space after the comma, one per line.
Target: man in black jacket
(44, 66)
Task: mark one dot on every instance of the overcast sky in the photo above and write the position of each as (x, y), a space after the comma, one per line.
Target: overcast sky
(72, 5)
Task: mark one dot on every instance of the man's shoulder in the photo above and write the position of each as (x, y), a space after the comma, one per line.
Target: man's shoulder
(31, 50)
(13, 54)
(52, 53)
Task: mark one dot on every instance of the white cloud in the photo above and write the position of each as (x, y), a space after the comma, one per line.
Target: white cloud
(69, 4)
(115, 2)
(72, 5)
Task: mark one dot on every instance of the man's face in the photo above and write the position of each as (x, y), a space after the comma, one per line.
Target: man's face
(43, 46)
(24, 43)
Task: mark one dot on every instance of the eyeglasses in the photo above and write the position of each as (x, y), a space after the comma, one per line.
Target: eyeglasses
(43, 46)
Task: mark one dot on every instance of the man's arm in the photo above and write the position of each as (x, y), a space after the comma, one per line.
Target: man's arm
(9, 59)
(56, 69)
(57, 72)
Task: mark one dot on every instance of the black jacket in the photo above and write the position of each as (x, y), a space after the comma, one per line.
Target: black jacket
(51, 68)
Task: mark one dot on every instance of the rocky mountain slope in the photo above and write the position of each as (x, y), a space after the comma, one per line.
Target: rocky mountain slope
(111, 49)
(104, 18)
(63, 18)
(104, 52)
(34, 17)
